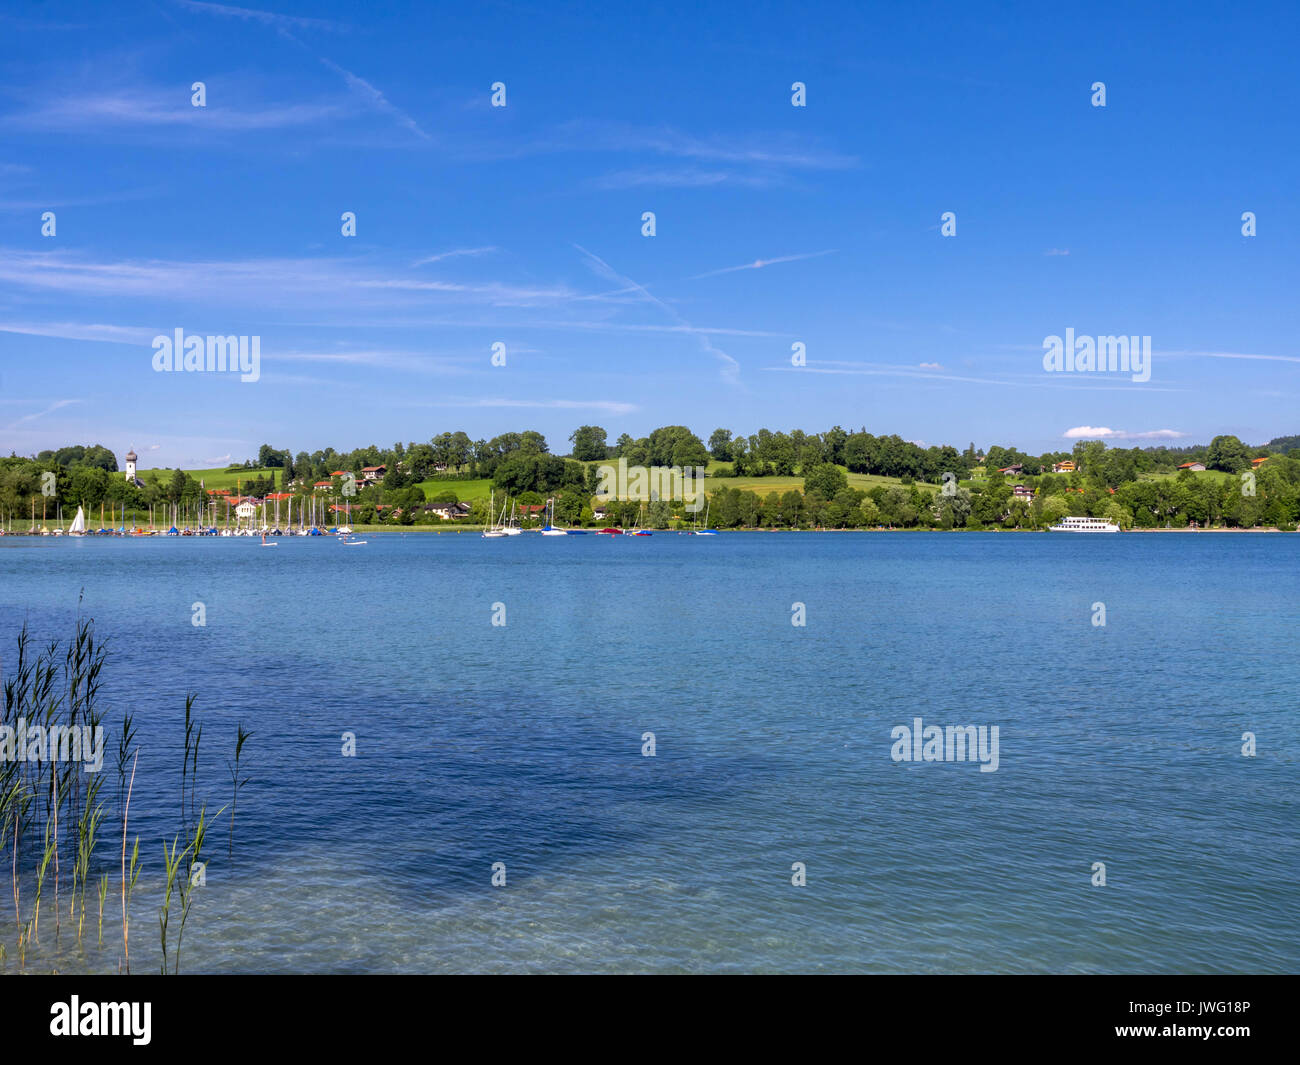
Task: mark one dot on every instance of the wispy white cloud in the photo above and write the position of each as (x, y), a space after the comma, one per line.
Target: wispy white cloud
(781, 150)
(56, 405)
(683, 178)
(559, 325)
(730, 367)
(359, 86)
(758, 264)
(607, 406)
(93, 112)
(51, 202)
(493, 292)
(1227, 355)
(759, 157)
(457, 253)
(252, 282)
(111, 334)
(266, 18)
(1090, 432)
(375, 98)
(1071, 381)
(405, 361)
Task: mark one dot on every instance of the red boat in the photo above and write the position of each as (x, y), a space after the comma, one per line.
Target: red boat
(613, 532)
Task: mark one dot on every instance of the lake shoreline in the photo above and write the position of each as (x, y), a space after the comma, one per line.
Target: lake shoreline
(372, 530)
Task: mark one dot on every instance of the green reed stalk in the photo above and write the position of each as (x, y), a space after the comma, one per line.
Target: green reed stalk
(195, 851)
(40, 882)
(241, 736)
(172, 862)
(87, 830)
(103, 894)
(135, 856)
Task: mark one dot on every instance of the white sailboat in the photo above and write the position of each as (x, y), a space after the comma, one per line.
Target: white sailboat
(706, 531)
(511, 529)
(550, 529)
(78, 524)
(497, 531)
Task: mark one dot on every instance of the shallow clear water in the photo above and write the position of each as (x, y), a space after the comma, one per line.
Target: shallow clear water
(522, 744)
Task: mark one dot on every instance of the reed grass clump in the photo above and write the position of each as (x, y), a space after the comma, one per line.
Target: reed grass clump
(52, 808)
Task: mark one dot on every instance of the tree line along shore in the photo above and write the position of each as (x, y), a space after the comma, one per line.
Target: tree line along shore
(835, 480)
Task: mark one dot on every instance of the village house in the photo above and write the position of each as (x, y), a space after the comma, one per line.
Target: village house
(1012, 471)
(1023, 493)
(1064, 467)
(1195, 467)
(327, 486)
(1257, 463)
(372, 475)
(449, 511)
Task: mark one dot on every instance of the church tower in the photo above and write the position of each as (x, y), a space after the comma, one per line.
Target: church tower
(130, 467)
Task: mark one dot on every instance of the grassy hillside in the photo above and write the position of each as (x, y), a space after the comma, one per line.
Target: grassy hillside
(466, 490)
(1206, 475)
(779, 484)
(218, 478)
(763, 485)
(469, 489)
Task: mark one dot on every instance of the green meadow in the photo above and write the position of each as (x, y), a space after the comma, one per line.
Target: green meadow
(716, 478)
(217, 478)
(466, 490)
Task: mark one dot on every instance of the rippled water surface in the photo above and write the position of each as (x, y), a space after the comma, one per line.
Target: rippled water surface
(522, 744)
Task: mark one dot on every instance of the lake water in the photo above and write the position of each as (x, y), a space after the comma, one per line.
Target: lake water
(522, 743)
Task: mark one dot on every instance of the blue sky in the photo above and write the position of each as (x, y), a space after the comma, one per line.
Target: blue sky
(522, 224)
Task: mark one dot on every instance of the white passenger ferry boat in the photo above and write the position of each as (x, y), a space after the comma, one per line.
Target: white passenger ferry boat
(1083, 525)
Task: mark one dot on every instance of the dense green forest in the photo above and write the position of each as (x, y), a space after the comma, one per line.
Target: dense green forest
(917, 487)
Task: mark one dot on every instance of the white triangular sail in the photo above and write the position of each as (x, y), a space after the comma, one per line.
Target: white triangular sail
(78, 524)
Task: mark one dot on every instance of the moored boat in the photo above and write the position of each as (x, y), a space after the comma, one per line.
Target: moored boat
(1084, 525)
